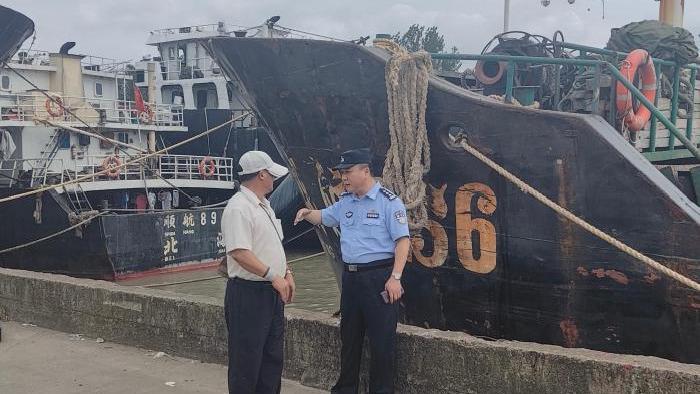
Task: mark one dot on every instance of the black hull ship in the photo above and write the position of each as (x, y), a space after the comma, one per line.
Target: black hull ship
(79, 195)
(185, 74)
(493, 261)
(108, 247)
(14, 29)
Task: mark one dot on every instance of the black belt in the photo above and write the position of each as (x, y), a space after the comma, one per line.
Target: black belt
(368, 266)
(256, 283)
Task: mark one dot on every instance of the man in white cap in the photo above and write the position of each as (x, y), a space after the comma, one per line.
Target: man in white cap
(259, 281)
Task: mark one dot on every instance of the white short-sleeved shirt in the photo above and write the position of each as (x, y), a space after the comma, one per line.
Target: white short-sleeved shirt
(248, 223)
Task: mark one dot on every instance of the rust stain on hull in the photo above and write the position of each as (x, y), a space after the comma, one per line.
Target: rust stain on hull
(569, 331)
(617, 276)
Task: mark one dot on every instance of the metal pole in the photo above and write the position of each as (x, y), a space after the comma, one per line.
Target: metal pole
(506, 15)
(689, 124)
(674, 104)
(671, 12)
(510, 76)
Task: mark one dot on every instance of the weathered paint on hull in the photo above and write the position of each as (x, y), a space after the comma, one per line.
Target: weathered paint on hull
(111, 246)
(494, 261)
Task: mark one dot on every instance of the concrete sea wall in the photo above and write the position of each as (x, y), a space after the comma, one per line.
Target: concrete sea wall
(429, 361)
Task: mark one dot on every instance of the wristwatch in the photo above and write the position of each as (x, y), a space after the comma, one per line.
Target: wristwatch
(396, 275)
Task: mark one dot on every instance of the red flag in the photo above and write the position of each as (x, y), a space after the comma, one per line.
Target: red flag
(140, 105)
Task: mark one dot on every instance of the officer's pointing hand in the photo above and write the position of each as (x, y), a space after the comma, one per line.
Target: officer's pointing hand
(282, 286)
(301, 215)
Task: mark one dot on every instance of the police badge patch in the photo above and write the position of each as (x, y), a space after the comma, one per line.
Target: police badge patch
(400, 217)
(348, 214)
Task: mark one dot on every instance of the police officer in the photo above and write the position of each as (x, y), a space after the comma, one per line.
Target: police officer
(374, 245)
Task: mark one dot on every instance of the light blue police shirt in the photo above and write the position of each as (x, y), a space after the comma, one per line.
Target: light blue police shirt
(369, 226)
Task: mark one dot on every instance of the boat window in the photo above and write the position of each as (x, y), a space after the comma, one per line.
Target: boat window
(98, 89)
(229, 92)
(123, 137)
(171, 53)
(139, 76)
(64, 140)
(202, 99)
(205, 95)
(5, 84)
(172, 94)
(178, 98)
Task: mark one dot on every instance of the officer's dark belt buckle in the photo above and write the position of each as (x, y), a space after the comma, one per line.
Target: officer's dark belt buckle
(352, 267)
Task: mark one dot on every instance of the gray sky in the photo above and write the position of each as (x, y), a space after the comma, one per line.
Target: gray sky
(119, 29)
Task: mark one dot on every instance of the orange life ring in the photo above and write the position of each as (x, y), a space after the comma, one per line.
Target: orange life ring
(54, 106)
(146, 116)
(207, 167)
(480, 72)
(635, 120)
(111, 164)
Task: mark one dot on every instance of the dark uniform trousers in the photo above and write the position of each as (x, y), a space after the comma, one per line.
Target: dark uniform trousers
(363, 310)
(255, 322)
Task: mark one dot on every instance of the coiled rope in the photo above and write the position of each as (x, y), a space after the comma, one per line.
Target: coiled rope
(408, 157)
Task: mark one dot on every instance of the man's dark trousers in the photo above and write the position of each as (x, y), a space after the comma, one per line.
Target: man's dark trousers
(255, 321)
(363, 310)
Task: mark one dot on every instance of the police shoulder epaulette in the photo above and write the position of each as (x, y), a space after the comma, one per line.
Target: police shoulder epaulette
(388, 193)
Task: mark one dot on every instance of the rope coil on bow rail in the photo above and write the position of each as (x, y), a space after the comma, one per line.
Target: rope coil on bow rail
(408, 158)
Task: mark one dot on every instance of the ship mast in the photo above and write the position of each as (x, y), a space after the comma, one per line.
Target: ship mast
(671, 12)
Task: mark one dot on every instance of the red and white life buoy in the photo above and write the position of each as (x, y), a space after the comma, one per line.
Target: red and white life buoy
(54, 106)
(207, 167)
(111, 165)
(638, 59)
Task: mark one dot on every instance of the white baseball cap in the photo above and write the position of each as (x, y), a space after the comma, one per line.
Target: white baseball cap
(255, 160)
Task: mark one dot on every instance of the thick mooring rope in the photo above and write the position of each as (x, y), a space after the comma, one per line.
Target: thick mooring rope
(578, 221)
(408, 157)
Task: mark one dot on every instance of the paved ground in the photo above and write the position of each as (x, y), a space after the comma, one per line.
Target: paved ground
(37, 360)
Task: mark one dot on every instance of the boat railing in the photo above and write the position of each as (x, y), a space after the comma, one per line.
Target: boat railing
(35, 106)
(168, 167)
(31, 57)
(17, 170)
(676, 137)
(199, 67)
(211, 27)
(38, 57)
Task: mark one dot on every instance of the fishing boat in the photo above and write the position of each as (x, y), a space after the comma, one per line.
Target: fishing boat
(491, 260)
(84, 189)
(184, 74)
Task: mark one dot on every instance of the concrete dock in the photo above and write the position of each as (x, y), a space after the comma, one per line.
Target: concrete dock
(428, 360)
(39, 360)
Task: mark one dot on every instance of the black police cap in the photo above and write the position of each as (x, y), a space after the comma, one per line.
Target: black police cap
(353, 157)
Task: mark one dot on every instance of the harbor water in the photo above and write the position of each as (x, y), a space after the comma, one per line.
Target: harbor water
(316, 288)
